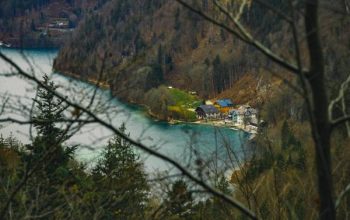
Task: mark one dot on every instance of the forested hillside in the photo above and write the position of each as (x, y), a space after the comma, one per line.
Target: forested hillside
(41, 23)
(136, 46)
(290, 62)
(141, 45)
(140, 50)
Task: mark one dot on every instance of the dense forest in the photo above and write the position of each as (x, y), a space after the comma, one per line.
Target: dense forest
(174, 46)
(138, 49)
(11, 8)
(149, 44)
(44, 180)
(41, 23)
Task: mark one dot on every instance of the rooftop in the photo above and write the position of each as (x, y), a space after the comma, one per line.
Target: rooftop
(225, 102)
(208, 109)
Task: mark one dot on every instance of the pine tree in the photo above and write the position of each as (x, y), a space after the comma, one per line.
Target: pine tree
(177, 23)
(160, 55)
(32, 25)
(122, 180)
(155, 77)
(217, 77)
(2, 141)
(179, 201)
(220, 209)
(47, 145)
(285, 135)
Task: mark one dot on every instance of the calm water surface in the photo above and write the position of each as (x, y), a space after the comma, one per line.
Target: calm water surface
(174, 140)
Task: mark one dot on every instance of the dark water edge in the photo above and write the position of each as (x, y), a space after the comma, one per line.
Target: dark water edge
(178, 140)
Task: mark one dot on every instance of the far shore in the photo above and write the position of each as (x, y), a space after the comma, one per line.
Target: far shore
(91, 81)
(215, 123)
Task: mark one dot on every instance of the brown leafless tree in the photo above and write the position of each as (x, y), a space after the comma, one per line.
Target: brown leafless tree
(311, 75)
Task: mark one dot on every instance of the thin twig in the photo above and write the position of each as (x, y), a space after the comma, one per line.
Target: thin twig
(245, 36)
(341, 195)
(143, 147)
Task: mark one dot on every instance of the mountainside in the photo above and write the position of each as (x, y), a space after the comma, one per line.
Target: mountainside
(41, 23)
(136, 46)
(285, 63)
(152, 43)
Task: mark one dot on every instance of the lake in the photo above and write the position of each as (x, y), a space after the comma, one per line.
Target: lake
(181, 141)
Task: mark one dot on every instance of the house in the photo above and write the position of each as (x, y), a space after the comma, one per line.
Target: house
(252, 114)
(237, 116)
(244, 115)
(61, 23)
(208, 102)
(207, 112)
(224, 105)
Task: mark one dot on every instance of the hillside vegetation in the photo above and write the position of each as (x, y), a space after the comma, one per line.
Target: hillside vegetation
(160, 55)
(136, 46)
(141, 45)
(41, 23)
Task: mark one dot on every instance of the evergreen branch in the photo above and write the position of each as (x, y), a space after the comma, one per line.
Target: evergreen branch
(29, 171)
(143, 147)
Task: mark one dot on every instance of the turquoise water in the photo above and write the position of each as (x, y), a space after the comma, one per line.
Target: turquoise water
(183, 142)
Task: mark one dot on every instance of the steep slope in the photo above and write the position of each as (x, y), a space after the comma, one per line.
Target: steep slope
(154, 37)
(41, 23)
(136, 46)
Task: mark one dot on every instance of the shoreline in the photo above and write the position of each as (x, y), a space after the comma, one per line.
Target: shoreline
(214, 123)
(220, 124)
(18, 46)
(102, 85)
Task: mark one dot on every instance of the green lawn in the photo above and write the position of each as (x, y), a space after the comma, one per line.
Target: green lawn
(181, 103)
(184, 99)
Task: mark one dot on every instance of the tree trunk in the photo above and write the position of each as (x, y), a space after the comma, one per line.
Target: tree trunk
(321, 127)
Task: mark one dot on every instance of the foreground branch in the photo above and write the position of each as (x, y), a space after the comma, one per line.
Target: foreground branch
(143, 147)
(244, 35)
(341, 195)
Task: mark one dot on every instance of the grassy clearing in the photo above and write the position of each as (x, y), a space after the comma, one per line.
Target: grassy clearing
(183, 99)
(182, 103)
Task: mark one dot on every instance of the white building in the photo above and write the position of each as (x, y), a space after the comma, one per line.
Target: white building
(244, 115)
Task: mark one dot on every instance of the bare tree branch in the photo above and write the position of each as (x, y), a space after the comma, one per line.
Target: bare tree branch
(341, 195)
(13, 120)
(341, 97)
(340, 121)
(143, 147)
(244, 35)
(275, 10)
